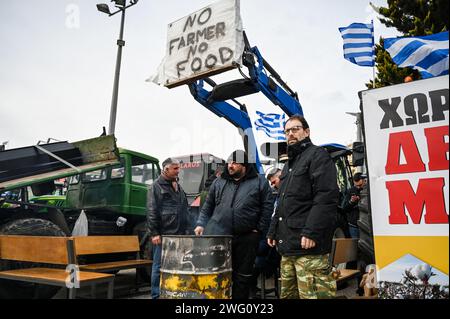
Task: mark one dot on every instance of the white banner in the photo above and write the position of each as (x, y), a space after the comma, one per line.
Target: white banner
(407, 140)
(206, 42)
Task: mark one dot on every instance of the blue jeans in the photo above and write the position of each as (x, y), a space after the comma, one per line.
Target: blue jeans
(353, 230)
(156, 270)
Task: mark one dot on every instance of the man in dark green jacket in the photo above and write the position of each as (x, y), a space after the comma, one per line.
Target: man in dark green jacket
(303, 225)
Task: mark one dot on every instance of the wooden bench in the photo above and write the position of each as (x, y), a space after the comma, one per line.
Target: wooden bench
(344, 250)
(95, 245)
(49, 250)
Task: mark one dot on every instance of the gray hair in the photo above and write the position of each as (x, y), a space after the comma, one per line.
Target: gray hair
(273, 172)
(169, 161)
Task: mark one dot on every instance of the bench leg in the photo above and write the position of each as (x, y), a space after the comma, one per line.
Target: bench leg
(263, 285)
(111, 289)
(36, 292)
(276, 284)
(93, 291)
(137, 280)
(72, 293)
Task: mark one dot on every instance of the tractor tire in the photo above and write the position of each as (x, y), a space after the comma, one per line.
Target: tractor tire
(21, 290)
(365, 244)
(146, 250)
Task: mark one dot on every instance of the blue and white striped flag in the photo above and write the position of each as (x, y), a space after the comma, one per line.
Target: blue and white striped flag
(359, 43)
(272, 124)
(427, 54)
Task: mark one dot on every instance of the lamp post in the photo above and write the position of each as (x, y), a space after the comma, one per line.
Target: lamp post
(121, 6)
(3, 146)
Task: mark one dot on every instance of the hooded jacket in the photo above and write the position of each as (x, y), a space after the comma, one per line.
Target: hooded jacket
(234, 208)
(308, 201)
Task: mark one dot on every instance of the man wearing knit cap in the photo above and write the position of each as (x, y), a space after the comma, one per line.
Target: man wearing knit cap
(303, 225)
(167, 214)
(239, 203)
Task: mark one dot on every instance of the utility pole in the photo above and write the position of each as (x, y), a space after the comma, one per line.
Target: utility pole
(102, 7)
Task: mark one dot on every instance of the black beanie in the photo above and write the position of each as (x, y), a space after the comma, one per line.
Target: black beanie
(238, 156)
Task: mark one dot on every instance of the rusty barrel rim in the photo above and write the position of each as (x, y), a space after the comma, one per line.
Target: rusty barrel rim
(195, 248)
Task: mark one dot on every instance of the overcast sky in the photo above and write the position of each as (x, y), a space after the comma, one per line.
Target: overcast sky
(57, 61)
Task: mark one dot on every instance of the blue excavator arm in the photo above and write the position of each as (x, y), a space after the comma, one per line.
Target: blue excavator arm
(258, 80)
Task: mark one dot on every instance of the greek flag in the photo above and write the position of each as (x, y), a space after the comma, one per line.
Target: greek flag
(427, 54)
(359, 43)
(272, 124)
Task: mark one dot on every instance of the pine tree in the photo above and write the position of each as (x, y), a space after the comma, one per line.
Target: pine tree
(412, 18)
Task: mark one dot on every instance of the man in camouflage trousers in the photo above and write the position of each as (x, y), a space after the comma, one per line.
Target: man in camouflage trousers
(303, 225)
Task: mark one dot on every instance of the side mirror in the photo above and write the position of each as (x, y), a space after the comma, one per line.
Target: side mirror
(358, 154)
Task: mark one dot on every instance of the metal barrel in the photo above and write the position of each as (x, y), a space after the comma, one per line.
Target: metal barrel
(196, 267)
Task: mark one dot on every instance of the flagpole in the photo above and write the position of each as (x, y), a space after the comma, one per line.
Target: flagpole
(373, 53)
(373, 75)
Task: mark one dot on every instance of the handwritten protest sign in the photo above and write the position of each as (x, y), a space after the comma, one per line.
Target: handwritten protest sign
(206, 42)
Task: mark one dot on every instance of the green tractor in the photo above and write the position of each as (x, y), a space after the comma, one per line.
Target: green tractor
(112, 193)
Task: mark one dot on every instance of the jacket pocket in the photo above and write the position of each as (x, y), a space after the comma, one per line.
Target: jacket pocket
(169, 219)
(300, 170)
(300, 185)
(291, 236)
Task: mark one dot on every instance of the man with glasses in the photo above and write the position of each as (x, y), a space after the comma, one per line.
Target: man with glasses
(239, 203)
(304, 222)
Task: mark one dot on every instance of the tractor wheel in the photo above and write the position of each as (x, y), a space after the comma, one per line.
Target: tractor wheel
(21, 290)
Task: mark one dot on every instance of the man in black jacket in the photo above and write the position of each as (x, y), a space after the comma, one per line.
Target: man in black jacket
(239, 203)
(167, 214)
(350, 205)
(304, 222)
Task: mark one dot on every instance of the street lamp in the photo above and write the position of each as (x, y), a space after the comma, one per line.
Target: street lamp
(121, 6)
(3, 146)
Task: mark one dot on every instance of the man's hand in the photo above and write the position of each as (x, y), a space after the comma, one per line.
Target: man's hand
(156, 240)
(354, 199)
(307, 243)
(271, 242)
(199, 230)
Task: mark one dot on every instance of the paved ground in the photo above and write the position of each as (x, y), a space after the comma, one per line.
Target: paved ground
(125, 289)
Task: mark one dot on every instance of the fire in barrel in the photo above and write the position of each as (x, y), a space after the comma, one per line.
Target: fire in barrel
(196, 267)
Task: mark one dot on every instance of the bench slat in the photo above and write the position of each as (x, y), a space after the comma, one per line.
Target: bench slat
(40, 249)
(90, 245)
(57, 276)
(346, 274)
(116, 265)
